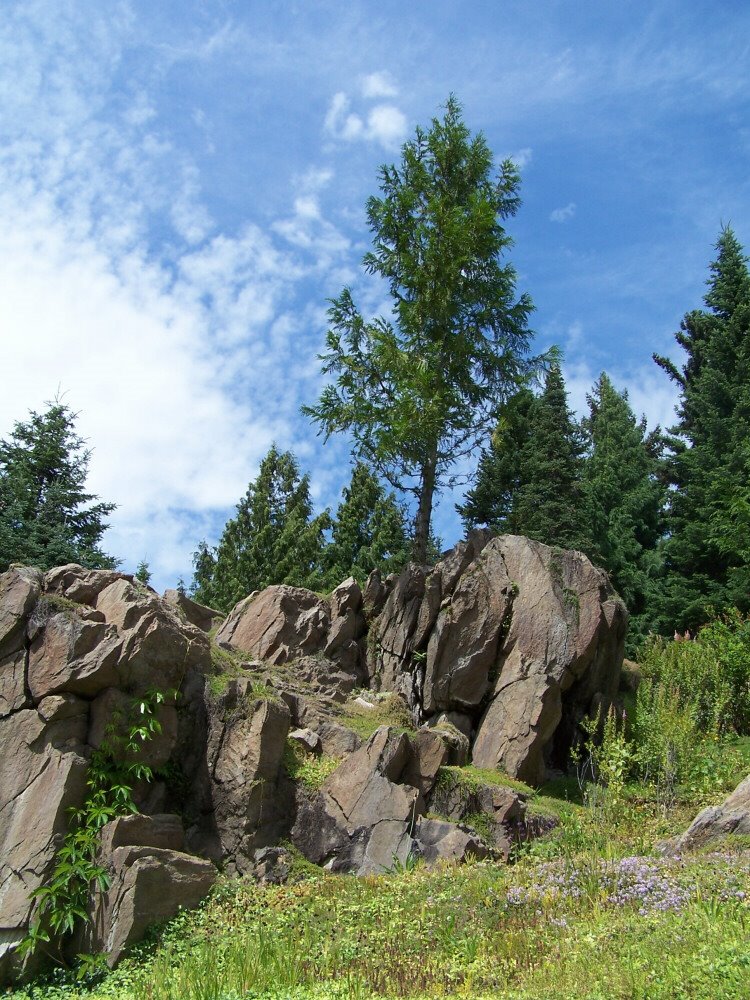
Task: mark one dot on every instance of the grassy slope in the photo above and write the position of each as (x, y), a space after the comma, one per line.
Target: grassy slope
(588, 912)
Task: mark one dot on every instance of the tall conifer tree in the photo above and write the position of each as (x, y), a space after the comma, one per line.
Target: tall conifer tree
(273, 538)
(47, 517)
(551, 503)
(709, 465)
(530, 481)
(368, 532)
(625, 498)
(492, 499)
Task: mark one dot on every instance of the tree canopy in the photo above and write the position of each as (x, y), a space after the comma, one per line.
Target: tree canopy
(530, 479)
(273, 538)
(46, 516)
(417, 390)
(625, 500)
(709, 463)
(368, 531)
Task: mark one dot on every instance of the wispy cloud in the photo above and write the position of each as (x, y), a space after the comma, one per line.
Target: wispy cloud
(376, 85)
(563, 214)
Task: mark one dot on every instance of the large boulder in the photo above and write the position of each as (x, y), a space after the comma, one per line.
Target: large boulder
(438, 840)
(362, 817)
(197, 614)
(39, 785)
(279, 624)
(564, 644)
(282, 624)
(149, 885)
(512, 636)
(732, 817)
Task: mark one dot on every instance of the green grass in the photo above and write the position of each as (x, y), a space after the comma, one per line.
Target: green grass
(474, 777)
(389, 711)
(571, 918)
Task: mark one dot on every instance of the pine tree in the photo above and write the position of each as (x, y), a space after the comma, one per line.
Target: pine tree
(46, 516)
(416, 392)
(550, 502)
(272, 539)
(709, 464)
(143, 572)
(625, 500)
(500, 474)
(368, 531)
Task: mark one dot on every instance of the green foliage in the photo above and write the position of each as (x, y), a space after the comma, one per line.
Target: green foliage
(388, 710)
(625, 500)
(692, 701)
(501, 473)
(272, 539)
(473, 778)
(605, 758)
(530, 482)
(143, 573)
(113, 770)
(46, 516)
(709, 465)
(600, 924)
(305, 768)
(550, 503)
(368, 531)
(710, 676)
(416, 393)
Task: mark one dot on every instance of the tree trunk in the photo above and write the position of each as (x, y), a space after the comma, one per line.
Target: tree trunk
(424, 511)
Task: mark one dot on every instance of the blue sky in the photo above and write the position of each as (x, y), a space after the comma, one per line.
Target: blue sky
(183, 187)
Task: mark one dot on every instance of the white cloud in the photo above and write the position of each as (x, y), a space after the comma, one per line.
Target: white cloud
(522, 157)
(385, 123)
(185, 349)
(376, 85)
(563, 214)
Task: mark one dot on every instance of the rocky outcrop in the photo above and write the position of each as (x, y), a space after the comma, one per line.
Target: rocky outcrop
(283, 623)
(78, 647)
(496, 652)
(514, 636)
(245, 797)
(713, 824)
(370, 815)
(196, 614)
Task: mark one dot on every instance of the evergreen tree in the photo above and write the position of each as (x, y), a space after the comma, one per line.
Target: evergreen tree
(550, 501)
(368, 531)
(46, 516)
(418, 392)
(143, 573)
(709, 464)
(625, 500)
(273, 538)
(500, 474)
(529, 481)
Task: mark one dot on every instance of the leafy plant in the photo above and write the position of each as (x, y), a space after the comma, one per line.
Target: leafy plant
(113, 770)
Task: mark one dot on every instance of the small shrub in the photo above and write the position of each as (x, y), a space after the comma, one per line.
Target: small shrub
(303, 767)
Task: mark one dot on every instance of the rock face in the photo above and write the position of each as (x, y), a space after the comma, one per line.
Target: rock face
(283, 623)
(196, 614)
(508, 633)
(497, 652)
(246, 741)
(75, 645)
(369, 815)
(715, 822)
